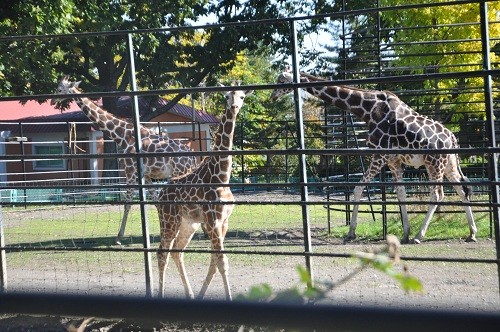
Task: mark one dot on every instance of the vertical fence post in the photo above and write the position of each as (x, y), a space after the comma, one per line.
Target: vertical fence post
(3, 262)
(142, 197)
(3, 259)
(490, 123)
(302, 157)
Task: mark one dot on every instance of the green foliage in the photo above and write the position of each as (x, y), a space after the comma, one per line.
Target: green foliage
(383, 261)
(182, 58)
(440, 40)
(308, 291)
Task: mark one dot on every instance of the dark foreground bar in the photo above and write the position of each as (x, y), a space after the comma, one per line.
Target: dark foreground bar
(288, 316)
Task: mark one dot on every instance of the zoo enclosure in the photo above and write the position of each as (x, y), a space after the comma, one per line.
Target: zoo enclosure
(366, 77)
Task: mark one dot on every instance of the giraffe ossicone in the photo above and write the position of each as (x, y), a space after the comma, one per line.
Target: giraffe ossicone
(196, 204)
(123, 134)
(394, 125)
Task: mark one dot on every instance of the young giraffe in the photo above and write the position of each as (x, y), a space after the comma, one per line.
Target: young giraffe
(123, 133)
(178, 222)
(394, 125)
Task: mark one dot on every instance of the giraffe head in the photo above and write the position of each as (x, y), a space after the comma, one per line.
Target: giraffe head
(65, 87)
(285, 77)
(234, 99)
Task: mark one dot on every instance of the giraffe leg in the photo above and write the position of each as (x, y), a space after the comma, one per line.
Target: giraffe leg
(437, 195)
(162, 257)
(130, 173)
(358, 192)
(184, 236)
(455, 176)
(168, 234)
(469, 215)
(223, 263)
(397, 173)
(153, 192)
(126, 210)
(218, 261)
(374, 168)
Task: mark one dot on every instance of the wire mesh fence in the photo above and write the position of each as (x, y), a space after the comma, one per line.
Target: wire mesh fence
(60, 214)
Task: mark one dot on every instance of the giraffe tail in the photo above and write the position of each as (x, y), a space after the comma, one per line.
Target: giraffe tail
(466, 187)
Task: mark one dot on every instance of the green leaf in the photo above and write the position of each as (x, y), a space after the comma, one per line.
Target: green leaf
(409, 283)
(304, 275)
(257, 293)
(292, 295)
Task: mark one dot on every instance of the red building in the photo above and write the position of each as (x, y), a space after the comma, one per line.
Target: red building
(40, 129)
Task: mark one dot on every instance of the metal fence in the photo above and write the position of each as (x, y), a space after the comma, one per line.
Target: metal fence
(62, 256)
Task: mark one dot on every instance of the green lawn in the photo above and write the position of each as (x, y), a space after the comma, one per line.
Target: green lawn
(97, 226)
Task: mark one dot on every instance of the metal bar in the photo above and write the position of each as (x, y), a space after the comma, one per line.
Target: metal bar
(140, 173)
(301, 146)
(3, 258)
(328, 211)
(274, 202)
(266, 22)
(333, 151)
(353, 81)
(279, 315)
(21, 158)
(490, 124)
(24, 248)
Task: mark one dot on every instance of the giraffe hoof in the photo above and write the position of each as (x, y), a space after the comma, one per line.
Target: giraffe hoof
(118, 242)
(471, 239)
(405, 240)
(349, 238)
(416, 241)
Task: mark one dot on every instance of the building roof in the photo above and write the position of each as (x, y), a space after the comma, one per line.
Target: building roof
(34, 112)
(13, 110)
(153, 104)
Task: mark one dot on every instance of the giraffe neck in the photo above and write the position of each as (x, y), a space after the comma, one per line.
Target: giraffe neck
(349, 99)
(357, 101)
(220, 165)
(225, 132)
(120, 131)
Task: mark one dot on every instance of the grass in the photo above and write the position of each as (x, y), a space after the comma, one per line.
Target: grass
(68, 226)
(96, 227)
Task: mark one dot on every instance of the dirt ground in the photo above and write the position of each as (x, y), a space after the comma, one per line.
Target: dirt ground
(447, 286)
(471, 287)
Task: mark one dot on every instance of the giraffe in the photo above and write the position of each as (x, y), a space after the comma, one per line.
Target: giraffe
(179, 222)
(123, 133)
(394, 125)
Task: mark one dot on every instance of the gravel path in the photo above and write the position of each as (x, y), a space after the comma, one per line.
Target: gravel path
(473, 287)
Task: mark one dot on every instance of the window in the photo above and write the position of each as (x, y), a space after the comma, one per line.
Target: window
(48, 163)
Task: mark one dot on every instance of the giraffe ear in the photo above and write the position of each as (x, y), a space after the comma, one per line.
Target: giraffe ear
(248, 92)
(76, 84)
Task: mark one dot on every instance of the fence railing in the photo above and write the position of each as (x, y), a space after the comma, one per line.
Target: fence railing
(22, 193)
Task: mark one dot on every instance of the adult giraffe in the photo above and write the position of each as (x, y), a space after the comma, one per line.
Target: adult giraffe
(394, 125)
(201, 205)
(123, 133)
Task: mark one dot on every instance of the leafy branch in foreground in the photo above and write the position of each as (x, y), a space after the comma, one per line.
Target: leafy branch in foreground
(382, 259)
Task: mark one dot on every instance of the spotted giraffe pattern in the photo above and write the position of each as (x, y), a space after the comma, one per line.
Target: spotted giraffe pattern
(394, 125)
(123, 134)
(178, 222)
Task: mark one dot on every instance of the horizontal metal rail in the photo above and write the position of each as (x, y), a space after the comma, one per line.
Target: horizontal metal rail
(293, 151)
(301, 253)
(277, 315)
(287, 20)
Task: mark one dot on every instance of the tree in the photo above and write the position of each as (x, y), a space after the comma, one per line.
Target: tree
(33, 65)
(442, 40)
